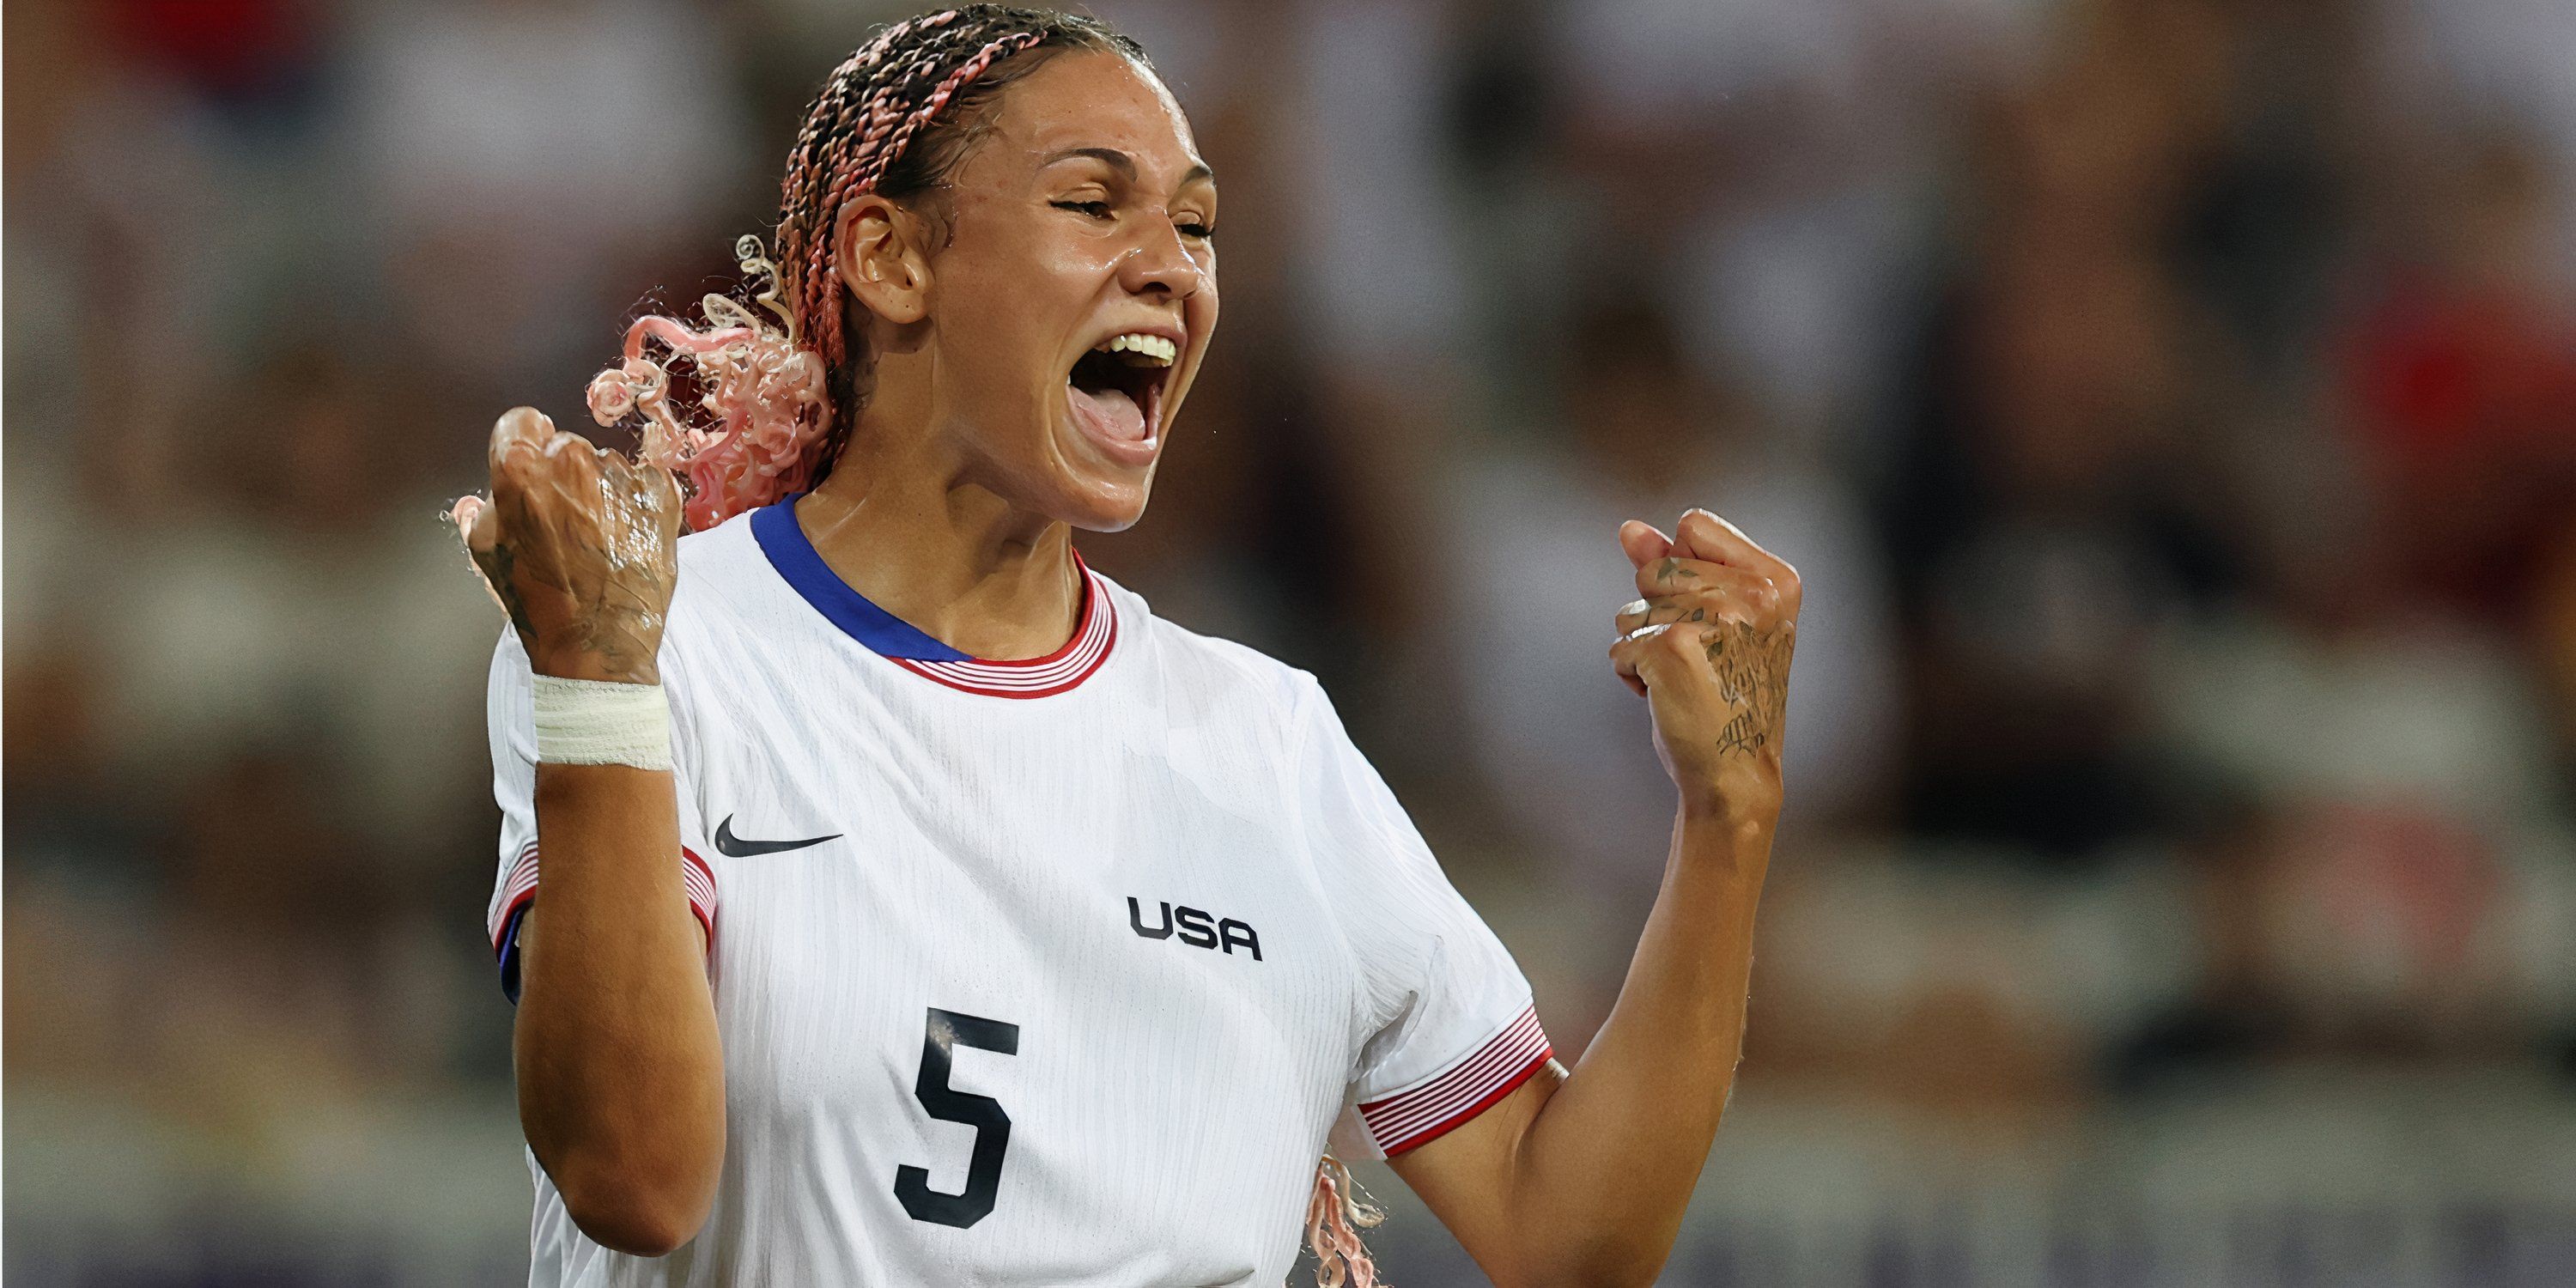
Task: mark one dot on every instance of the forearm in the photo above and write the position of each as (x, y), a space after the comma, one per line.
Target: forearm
(1583, 1178)
(1606, 1169)
(620, 1071)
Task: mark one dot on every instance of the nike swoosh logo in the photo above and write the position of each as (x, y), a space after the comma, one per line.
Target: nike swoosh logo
(729, 844)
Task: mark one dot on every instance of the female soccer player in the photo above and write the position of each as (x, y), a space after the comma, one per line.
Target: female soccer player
(920, 909)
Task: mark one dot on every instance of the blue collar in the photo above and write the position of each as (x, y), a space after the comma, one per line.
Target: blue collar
(886, 635)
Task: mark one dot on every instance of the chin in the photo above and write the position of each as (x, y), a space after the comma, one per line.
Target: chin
(1097, 486)
(1104, 505)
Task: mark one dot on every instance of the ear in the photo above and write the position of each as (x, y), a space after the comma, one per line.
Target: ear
(877, 250)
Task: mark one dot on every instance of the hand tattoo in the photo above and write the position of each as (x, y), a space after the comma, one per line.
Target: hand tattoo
(1752, 669)
(621, 600)
(498, 565)
(594, 562)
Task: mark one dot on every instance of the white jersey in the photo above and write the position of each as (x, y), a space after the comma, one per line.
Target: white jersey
(1047, 972)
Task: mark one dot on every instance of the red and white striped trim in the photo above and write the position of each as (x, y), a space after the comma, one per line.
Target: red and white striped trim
(1409, 1119)
(1092, 639)
(696, 878)
(698, 881)
(516, 889)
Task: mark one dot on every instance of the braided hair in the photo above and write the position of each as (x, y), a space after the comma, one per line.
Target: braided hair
(781, 379)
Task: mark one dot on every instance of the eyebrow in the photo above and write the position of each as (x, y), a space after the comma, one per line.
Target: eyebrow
(1126, 165)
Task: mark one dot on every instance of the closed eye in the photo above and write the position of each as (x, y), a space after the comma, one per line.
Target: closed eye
(1095, 209)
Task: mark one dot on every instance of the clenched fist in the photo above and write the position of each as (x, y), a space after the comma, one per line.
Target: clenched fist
(580, 545)
(1709, 647)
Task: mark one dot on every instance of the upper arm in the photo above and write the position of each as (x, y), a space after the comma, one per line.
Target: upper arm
(524, 938)
(1468, 1177)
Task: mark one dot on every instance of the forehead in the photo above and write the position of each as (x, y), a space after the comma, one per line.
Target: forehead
(1089, 98)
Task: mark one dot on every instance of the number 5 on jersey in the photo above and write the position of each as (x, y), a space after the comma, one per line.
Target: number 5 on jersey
(946, 1031)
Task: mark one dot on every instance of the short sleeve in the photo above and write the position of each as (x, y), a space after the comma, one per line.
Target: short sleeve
(510, 716)
(1453, 1029)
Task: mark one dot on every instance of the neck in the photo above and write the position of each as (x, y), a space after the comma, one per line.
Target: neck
(947, 555)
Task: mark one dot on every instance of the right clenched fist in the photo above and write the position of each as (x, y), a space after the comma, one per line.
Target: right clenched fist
(580, 545)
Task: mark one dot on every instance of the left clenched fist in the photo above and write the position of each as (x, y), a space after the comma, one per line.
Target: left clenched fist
(1709, 645)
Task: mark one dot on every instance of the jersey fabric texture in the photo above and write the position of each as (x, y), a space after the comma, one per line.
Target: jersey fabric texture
(1053, 972)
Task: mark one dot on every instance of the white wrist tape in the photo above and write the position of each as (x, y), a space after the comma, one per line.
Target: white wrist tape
(594, 722)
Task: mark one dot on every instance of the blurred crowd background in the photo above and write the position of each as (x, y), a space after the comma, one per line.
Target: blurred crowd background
(2171, 405)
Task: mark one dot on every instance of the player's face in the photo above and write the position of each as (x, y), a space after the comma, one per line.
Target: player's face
(1074, 297)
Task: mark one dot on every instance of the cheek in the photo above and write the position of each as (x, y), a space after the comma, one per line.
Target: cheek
(1199, 314)
(1026, 302)
(993, 331)
(1200, 309)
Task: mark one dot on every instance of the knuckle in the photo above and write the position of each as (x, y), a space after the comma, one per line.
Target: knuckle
(510, 477)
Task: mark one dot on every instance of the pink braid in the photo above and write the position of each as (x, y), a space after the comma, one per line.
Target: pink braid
(887, 135)
(1334, 1218)
(766, 383)
(768, 398)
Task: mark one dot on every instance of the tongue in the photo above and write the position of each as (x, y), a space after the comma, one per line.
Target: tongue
(1110, 413)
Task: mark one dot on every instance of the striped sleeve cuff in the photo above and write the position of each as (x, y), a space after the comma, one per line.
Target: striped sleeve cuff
(516, 890)
(520, 888)
(1434, 1107)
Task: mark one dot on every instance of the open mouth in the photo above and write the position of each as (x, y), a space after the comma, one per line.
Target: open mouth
(1116, 389)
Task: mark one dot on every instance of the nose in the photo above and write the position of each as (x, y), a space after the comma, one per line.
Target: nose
(1162, 263)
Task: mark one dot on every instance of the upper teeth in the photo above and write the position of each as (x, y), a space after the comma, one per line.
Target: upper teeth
(1153, 348)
